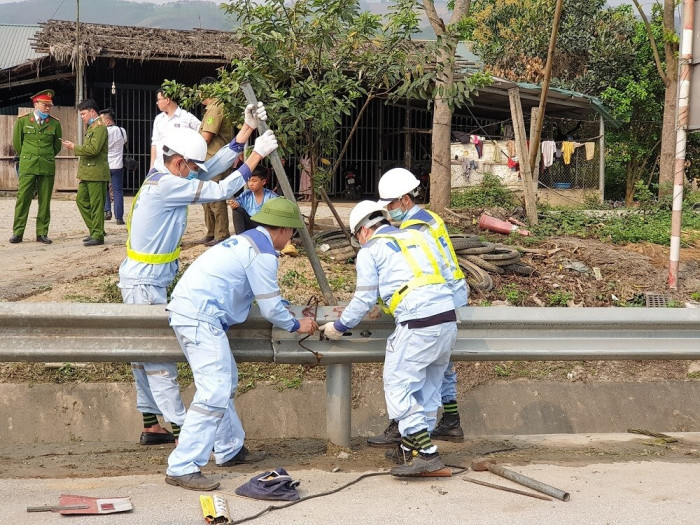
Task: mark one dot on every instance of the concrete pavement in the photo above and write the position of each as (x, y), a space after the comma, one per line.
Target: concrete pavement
(652, 492)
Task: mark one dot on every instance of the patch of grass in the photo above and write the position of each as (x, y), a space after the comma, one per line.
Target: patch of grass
(292, 278)
(695, 296)
(79, 298)
(111, 292)
(501, 370)
(490, 193)
(559, 298)
(694, 375)
(513, 294)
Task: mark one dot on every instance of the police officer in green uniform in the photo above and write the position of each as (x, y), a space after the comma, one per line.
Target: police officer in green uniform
(93, 172)
(37, 141)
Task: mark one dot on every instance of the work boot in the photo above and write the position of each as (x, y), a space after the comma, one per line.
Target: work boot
(448, 429)
(108, 215)
(156, 438)
(389, 438)
(43, 239)
(194, 481)
(419, 464)
(244, 457)
(398, 455)
(15, 239)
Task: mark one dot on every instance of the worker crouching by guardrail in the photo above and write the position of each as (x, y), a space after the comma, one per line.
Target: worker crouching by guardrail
(404, 269)
(216, 292)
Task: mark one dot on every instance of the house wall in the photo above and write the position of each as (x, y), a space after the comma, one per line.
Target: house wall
(66, 162)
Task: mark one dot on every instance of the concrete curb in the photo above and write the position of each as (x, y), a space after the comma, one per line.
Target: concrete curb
(42, 413)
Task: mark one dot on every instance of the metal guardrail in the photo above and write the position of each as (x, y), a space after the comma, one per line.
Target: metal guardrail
(42, 332)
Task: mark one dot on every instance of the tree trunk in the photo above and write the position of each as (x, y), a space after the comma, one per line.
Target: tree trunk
(668, 133)
(632, 176)
(441, 167)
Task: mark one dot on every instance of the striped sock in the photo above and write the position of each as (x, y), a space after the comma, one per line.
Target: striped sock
(450, 408)
(176, 430)
(149, 419)
(421, 441)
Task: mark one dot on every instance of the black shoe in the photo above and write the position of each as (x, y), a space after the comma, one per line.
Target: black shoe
(44, 239)
(206, 239)
(195, 481)
(86, 239)
(15, 239)
(448, 429)
(389, 438)
(156, 438)
(120, 222)
(244, 457)
(108, 215)
(419, 465)
(93, 242)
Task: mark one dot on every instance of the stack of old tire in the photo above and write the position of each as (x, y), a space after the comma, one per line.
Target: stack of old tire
(334, 244)
(478, 259)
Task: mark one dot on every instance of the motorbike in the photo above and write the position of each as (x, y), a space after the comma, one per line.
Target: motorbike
(353, 188)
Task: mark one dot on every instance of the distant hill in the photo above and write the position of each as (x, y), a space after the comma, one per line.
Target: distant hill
(185, 14)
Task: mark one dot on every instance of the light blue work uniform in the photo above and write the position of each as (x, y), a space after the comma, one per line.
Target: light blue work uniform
(156, 224)
(416, 358)
(459, 287)
(215, 293)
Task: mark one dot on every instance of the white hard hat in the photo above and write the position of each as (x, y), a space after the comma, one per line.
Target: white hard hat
(188, 143)
(361, 213)
(396, 183)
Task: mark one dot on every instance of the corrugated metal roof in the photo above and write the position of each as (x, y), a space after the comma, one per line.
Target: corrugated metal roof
(15, 46)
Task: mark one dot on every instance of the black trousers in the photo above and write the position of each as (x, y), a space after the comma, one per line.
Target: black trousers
(241, 221)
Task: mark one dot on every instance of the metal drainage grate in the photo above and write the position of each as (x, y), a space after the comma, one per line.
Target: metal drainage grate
(655, 300)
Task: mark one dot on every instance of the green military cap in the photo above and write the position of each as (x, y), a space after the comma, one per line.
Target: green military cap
(43, 96)
(279, 212)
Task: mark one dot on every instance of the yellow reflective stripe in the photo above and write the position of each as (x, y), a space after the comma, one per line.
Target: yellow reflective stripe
(439, 233)
(152, 258)
(414, 283)
(419, 277)
(147, 258)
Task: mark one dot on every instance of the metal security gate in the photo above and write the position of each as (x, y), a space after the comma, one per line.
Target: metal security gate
(135, 109)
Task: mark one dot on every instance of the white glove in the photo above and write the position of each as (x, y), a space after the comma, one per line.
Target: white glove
(254, 114)
(329, 331)
(265, 143)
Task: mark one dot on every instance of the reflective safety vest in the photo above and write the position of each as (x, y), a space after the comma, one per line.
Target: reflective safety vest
(419, 277)
(147, 258)
(439, 232)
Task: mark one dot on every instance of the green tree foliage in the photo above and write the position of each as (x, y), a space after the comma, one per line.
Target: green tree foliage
(512, 37)
(636, 97)
(311, 62)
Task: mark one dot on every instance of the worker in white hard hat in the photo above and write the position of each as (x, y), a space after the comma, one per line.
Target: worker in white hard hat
(155, 225)
(397, 190)
(406, 271)
(216, 292)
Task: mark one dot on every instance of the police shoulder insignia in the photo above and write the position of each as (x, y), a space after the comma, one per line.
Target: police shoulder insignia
(210, 120)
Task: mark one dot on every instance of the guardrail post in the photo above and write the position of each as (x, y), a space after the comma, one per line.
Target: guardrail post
(338, 404)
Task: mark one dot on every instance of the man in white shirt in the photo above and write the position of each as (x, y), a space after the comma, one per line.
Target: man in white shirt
(171, 117)
(116, 139)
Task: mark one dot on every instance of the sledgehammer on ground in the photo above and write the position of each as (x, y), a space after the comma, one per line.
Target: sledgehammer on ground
(491, 466)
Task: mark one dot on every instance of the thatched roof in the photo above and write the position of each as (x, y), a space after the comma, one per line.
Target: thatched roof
(57, 39)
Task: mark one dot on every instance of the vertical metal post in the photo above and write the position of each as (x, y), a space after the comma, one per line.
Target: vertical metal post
(338, 409)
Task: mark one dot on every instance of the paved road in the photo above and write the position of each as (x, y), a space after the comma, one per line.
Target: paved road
(649, 492)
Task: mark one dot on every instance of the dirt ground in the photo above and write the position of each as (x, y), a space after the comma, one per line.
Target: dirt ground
(92, 459)
(65, 271)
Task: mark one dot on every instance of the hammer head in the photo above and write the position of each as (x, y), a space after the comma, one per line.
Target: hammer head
(482, 464)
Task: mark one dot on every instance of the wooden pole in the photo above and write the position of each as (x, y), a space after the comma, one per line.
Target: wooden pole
(516, 111)
(535, 138)
(289, 193)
